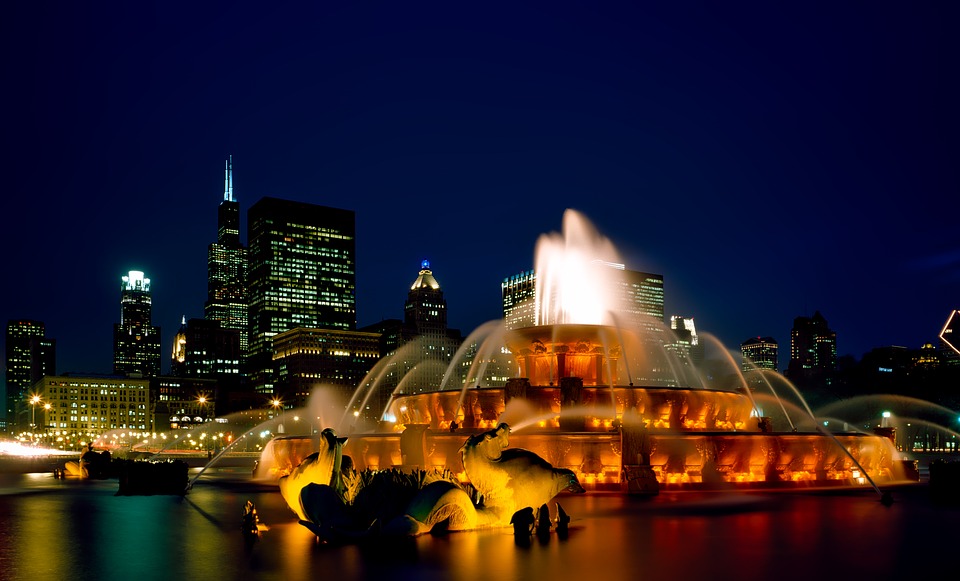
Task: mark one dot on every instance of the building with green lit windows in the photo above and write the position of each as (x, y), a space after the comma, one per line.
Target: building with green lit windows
(302, 273)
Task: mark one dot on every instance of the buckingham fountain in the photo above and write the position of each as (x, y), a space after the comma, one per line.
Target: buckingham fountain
(597, 399)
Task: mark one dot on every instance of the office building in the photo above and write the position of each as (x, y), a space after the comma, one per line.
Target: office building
(227, 267)
(686, 343)
(759, 353)
(183, 402)
(136, 342)
(813, 352)
(420, 347)
(203, 348)
(308, 359)
(638, 299)
(425, 322)
(29, 356)
(302, 273)
(83, 407)
(519, 299)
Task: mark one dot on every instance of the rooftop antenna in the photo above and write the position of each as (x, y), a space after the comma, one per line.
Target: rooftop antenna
(228, 180)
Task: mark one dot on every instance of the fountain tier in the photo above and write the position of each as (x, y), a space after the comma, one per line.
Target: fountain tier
(572, 412)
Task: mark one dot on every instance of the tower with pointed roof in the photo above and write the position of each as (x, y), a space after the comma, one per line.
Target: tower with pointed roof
(227, 267)
(425, 312)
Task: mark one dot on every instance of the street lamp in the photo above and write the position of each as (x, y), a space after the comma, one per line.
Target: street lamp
(276, 403)
(33, 418)
(46, 414)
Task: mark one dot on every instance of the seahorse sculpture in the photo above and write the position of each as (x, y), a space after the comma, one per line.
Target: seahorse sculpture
(509, 479)
(321, 467)
(512, 478)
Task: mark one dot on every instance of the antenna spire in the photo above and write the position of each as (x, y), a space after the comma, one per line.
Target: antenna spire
(228, 180)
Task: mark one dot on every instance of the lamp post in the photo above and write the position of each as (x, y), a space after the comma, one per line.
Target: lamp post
(46, 414)
(34, 400)
(276, 403)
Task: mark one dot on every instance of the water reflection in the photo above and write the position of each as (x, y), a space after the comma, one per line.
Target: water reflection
(81, 530)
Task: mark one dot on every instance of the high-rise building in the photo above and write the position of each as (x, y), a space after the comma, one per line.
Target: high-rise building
(686, 342)
(759, 353)
(519, 299)
(425, 322)
(639, 296)
(813, 351)
(136, 342)
(203, 348)
(642, 294)
(302, 273)
(420, 347)
(227, 267)
(30, 355)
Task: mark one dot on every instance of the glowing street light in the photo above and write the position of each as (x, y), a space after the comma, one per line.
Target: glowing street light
(276, 403)
(34, 400)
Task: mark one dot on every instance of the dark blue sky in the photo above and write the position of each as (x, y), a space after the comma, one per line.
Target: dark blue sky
(769, 160)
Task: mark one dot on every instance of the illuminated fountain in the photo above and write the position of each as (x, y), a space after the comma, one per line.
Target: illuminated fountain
(603, 394)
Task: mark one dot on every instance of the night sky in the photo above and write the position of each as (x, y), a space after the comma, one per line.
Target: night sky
(769, 160)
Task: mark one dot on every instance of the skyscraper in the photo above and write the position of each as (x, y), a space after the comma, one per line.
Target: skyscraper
(227, 267)
(302, 273)
(642, 294)
(687, 343)
(30, 356)
(136, 342)
(425, 321)
(759, 353)
(639, 295)
(519, 298)
(813, 351)
(421, 346)
(203, 348)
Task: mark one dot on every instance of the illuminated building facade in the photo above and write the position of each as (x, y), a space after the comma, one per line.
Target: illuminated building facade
(813, 351)
(420, 347)
(227, 267)
(425, 323)
(302, 273)
(203, 348)
(640, 294)
(686, 342)
(136, 342)
(182, 402)
(29, 356)
(759, 353)
(518, 294)
(89, 406)
(309, 358)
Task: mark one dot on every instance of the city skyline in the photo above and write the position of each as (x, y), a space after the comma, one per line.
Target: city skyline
(768, 164)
